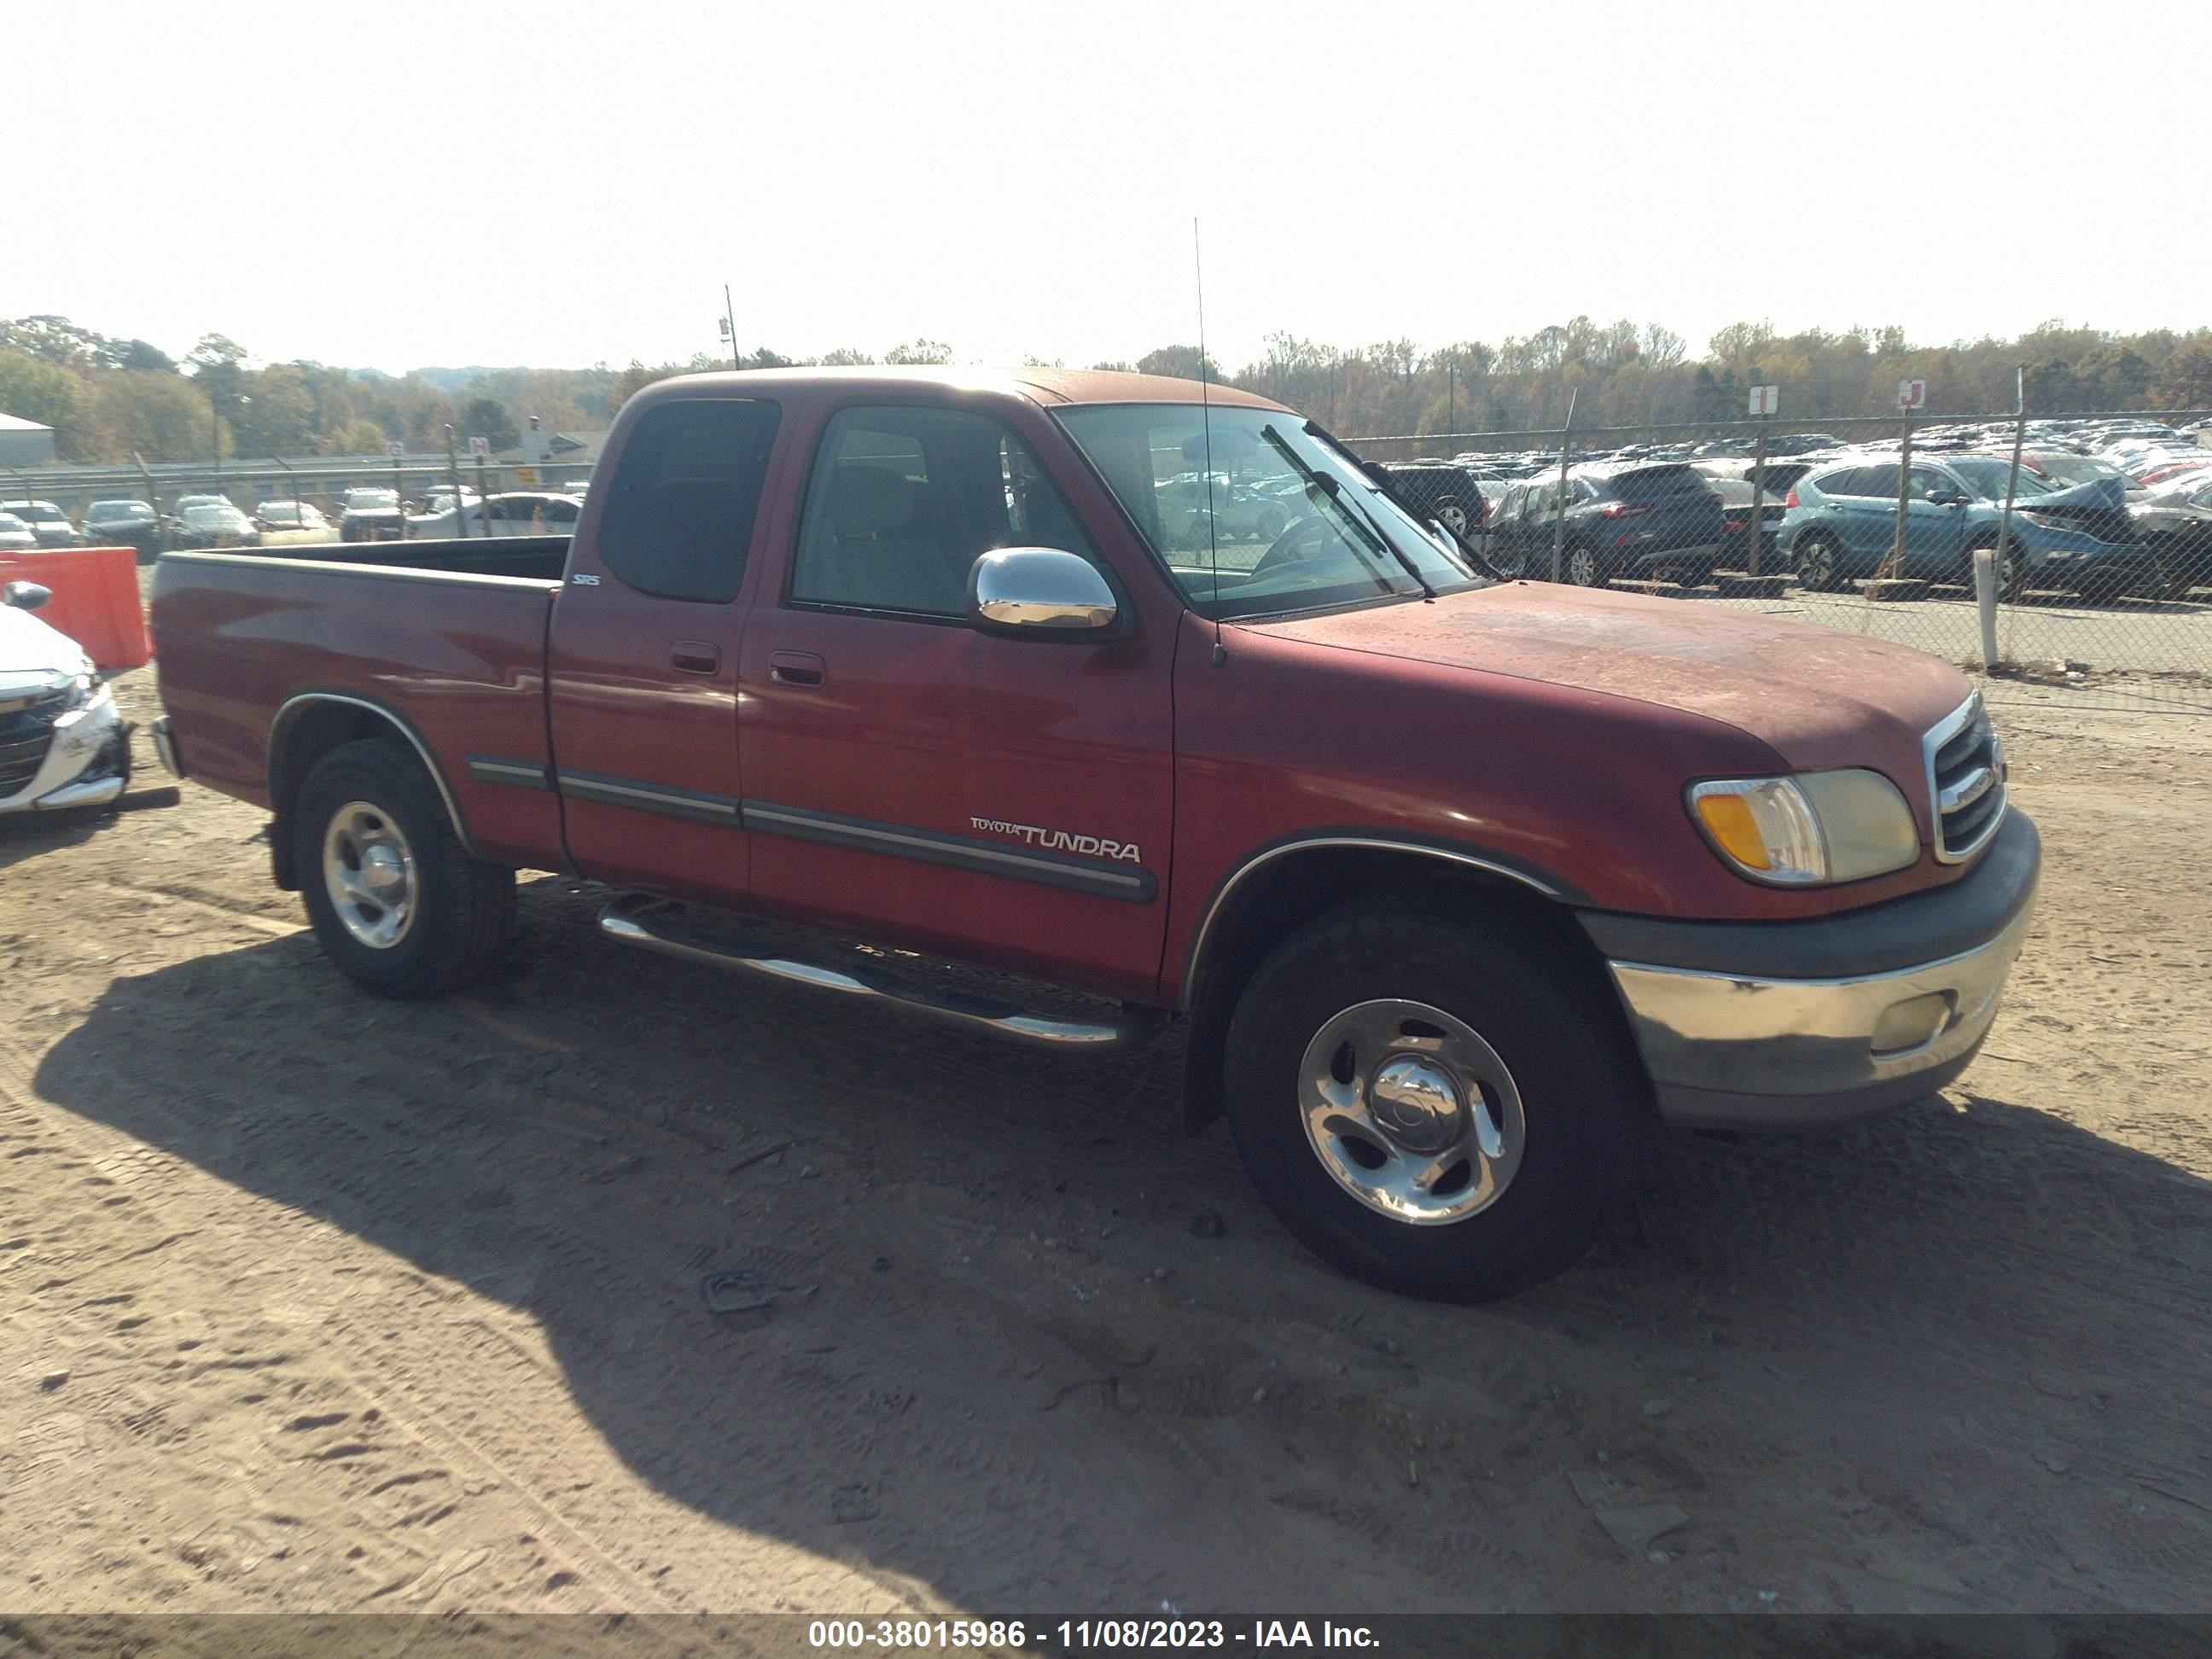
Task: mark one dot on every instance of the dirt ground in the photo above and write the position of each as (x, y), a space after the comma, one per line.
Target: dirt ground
(309, 1302)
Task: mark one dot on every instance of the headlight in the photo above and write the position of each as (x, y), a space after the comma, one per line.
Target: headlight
(76, 690)
(1811, 830)
(2044, 522)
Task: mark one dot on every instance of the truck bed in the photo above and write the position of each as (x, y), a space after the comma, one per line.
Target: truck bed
(446, 638)
(538, 558)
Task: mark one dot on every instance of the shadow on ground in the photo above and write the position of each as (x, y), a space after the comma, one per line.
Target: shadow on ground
(968, 1372)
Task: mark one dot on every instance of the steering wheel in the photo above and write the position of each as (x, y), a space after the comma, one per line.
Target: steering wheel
(1298, 542)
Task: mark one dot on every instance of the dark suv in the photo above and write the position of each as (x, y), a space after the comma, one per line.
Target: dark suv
(1450, 493)
(1641, 518)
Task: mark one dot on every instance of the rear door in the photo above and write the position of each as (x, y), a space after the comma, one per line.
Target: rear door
(642, 663)
(1866, 514)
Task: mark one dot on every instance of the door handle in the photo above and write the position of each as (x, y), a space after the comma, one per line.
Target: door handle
(696, 656)
(796, 668)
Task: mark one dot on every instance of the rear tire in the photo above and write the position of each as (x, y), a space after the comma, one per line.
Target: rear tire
(1581, 567)
(1819, 563)
(1513, 1030)
(396, 902)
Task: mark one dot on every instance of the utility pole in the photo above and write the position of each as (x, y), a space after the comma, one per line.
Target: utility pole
(730, 321)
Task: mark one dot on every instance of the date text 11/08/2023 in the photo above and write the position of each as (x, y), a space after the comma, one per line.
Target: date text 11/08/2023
(1084, 1635)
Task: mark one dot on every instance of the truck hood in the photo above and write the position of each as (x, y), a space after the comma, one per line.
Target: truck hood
(1817, 696)
(31, 652)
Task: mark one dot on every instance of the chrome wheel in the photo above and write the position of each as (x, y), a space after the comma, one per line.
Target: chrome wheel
(1581, 568)
(1411, 1112)
(1454, 518)
(369, 871)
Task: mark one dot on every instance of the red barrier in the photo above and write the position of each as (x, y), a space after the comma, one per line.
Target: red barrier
(95, 599)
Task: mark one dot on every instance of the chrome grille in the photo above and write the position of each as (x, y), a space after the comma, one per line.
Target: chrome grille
(26, 728)
(1965, 781)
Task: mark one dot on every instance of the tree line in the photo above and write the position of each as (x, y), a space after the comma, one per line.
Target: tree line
(110, 399)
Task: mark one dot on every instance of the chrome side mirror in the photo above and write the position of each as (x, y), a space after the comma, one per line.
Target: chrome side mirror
(25, 596)
(1039, 593)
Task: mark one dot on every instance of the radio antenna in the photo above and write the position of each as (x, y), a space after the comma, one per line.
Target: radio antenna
(1205, 424)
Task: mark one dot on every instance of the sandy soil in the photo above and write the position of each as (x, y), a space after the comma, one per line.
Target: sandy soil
(309, 1302)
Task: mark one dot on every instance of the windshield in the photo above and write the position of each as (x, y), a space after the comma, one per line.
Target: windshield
(1987, 479)
(36, 512)
(12, 525)
(102, 511)
(1282, 520)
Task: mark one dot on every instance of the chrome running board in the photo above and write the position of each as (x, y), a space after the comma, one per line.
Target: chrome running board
(654, 924)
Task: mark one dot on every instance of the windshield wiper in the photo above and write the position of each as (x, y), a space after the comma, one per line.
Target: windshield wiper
(1354, 512)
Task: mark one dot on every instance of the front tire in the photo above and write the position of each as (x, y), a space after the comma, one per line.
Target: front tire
(1581, 568)
(396, 902)
(1439, 1107)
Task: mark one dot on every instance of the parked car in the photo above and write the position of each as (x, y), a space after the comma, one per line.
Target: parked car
(1842, 524)
(372, 515)
(1457, 883)
(15, 536)
(519, 512)
(1648, 519)
(125, 523)
(185, 503)
(2152, 477)
(1735, 521)
(1780, 474)
(2176, 526)
(290, 517)
(48, 523)
(62, 743)
(213, 526)
(1450, 493)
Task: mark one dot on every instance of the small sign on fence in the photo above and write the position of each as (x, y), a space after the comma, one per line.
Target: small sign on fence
(1912, 394)
(1765, 399)
(527, 477)
(395, 450)
(479, 446)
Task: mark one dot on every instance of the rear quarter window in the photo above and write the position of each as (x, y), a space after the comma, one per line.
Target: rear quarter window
(679, 521)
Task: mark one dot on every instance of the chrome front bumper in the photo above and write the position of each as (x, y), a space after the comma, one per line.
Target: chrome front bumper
(1725, 1051)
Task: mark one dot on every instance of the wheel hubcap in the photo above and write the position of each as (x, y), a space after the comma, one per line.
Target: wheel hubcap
(1411, 1111)
(1581, 568)
(368, 871)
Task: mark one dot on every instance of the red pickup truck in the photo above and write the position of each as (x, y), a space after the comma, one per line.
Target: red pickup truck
(1459, 884)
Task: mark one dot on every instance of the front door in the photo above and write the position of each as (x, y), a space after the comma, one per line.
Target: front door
(1002, 800)
(1935, 530)
(643, 658)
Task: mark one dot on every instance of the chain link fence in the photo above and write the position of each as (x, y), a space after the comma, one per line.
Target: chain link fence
(2071, 550)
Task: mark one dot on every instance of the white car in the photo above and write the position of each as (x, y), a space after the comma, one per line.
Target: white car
(15, 536)
(62, 743)
(519, 513)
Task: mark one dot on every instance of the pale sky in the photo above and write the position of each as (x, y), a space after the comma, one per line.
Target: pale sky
(402, 184)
